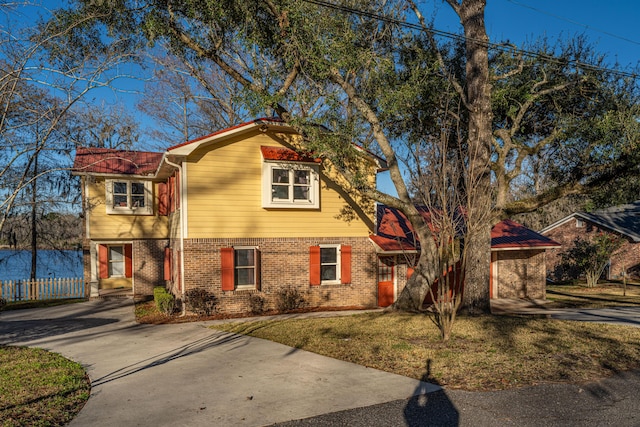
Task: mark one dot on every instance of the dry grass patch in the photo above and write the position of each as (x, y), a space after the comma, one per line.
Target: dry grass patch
(485, 353)
(38, 388)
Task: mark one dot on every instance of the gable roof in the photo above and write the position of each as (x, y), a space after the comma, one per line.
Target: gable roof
(116, 162)
(188, 147)
(394, 233)
(622, 219)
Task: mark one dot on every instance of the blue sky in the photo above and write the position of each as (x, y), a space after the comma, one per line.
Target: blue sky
(611, 25)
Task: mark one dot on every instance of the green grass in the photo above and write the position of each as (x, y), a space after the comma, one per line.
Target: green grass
(604, 295)
(39, 388)
(485, 352)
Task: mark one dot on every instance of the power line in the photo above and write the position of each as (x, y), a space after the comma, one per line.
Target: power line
(503, 47)
(571, 21)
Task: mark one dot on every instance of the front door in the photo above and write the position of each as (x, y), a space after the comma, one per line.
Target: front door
(386, 285)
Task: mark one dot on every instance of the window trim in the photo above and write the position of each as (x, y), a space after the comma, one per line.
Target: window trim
(111, 261)
(147, 209)
(338, 264)
(267, 183)
(256, 266)
(228, 269)
(580, 223)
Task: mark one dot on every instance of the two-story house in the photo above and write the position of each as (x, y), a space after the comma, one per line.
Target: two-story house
(237, 212)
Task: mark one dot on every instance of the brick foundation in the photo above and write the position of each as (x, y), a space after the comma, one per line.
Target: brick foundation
(284, 265)
(148, 265)
(520, 274)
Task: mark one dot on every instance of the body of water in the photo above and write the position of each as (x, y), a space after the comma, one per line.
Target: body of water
(16, 265)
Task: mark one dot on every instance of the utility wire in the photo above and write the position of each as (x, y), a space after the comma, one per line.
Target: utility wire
(503, 47)
(562, 18)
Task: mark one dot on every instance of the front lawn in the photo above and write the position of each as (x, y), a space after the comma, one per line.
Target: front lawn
(39, 388)
(609, 294)
(485, 352)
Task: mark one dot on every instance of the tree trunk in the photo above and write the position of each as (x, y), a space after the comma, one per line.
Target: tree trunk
(34, 235)
(479, 200)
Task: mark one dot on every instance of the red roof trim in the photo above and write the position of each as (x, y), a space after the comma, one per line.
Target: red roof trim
(509, 234)
(287, 155)
(117, 162)
(395, 233)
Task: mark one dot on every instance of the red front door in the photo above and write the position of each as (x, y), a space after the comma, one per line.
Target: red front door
(386, 294)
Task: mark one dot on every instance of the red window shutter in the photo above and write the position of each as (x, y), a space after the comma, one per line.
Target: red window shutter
(128, 268)
(176, 192)
(314, 265)
(167, 263)
(163, 199)
(345, 264)
(103, 261)
(172, 193)
(258, 270)
(228, 279)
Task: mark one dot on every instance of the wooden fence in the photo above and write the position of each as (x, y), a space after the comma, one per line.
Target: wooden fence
(42, 289)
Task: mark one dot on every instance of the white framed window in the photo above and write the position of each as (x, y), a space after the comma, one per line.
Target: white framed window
(245, 267)
(129, 197)
(116, 259)
(579, 223)
(290, 185)
(330, 264)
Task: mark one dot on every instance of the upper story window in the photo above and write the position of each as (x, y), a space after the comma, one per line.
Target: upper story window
(290, 185)
(579, 223)
(129, 197)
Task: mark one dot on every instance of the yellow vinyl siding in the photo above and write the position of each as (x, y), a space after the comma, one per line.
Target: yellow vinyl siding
(116, 226)
(224, 191)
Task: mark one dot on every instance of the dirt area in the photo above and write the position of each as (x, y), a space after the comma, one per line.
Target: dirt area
(146, 312)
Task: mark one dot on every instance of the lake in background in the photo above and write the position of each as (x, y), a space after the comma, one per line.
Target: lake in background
(16, 265)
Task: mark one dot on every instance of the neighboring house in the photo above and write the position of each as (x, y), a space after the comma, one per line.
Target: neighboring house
(623, 221)
(517, 257)
(238, 213)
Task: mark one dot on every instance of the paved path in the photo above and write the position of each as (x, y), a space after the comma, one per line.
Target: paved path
(190, 375)
(629, 316)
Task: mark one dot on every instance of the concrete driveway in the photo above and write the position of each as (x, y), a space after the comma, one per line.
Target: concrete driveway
(629, 316)
(189, 375)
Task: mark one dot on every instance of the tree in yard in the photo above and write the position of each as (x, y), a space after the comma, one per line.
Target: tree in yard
(188, 101)
(40, 92)
(340, 65)
(591, 257)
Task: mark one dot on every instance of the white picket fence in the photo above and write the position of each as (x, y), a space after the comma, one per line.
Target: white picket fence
(42, 289)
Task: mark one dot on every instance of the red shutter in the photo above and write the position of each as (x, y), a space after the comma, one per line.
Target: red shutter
(172, 193)
(228, 280)
(258, 271)
(167, 263)
(163, 199)
(128, 268)
(314, 265)
(345, 264)
(176, 192)
(103, 261)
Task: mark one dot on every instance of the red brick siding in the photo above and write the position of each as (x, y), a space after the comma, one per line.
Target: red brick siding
(627, 257)
(520, 274)
(284, 263)
(148, 265)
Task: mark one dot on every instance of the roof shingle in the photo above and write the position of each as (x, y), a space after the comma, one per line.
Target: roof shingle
(120, 162)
